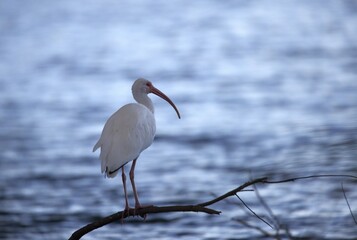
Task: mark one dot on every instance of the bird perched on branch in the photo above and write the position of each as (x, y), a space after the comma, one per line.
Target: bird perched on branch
(128, 132)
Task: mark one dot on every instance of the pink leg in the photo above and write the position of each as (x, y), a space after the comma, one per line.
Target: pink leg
(124, 185)
(137, 203)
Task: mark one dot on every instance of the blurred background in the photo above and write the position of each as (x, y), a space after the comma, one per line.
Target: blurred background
(265, 88)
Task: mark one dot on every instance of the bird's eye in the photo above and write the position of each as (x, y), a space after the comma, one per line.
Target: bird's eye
(148, 84)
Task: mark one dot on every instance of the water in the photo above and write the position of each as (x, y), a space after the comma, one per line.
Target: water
(264, 89)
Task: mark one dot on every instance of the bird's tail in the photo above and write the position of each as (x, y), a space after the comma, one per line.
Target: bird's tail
(97, 145)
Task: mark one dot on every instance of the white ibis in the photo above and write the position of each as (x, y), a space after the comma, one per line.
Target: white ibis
(128, 132)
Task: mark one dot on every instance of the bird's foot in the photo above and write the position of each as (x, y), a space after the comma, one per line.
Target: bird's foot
(125, 213)
(138, 206)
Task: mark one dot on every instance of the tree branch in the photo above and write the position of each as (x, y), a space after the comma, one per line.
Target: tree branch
(140, 212)
(201, 207)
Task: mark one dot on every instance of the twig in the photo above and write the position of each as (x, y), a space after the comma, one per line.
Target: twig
(234, 191)
(273, 218)
(245, 223)
(348, 204)
(260, 218)
(311, 176)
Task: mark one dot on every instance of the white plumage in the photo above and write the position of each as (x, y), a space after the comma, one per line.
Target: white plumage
(128, 132)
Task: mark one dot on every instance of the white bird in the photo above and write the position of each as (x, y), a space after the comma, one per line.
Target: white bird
(128, 132)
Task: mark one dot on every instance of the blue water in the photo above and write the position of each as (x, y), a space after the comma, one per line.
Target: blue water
(265, 88)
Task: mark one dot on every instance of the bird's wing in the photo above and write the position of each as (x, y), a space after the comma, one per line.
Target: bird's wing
(125, 135)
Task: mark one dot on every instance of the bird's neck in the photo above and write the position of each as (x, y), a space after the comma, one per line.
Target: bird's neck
(145, 100)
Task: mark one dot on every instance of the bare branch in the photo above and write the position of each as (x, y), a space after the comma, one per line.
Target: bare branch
(260, 218)
(348, 204)
(140, 212)
(246, 224)
(201, 207)
(273, 218)
(311, 176)
(234, 191)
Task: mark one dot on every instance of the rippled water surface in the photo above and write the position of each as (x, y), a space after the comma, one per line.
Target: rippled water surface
(265, 88)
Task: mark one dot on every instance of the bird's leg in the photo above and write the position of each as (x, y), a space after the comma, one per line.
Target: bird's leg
(127, 208)
(137, 203)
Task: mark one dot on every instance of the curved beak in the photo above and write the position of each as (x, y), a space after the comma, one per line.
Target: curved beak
(157, 92)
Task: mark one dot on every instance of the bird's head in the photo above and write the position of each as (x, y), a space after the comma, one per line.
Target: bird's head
(144, 86)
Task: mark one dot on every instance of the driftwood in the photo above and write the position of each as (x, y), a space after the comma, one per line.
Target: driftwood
(200, 207)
